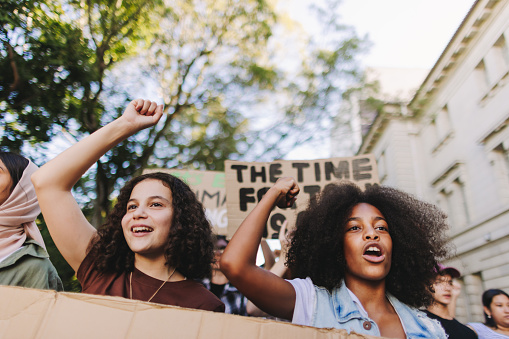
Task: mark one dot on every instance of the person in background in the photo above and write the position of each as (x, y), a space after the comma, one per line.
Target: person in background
(156, 239)
(23, 257)
(234, 301)
(363, 260)
(496, 315)
(444, 295)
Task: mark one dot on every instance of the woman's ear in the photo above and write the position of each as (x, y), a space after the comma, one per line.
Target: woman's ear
(487, 311)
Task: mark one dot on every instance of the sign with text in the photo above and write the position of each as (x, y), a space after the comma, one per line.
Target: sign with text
(247, 182)
(209, 189)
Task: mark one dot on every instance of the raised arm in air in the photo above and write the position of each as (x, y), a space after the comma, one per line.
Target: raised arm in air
(270, 293)
(53, 182)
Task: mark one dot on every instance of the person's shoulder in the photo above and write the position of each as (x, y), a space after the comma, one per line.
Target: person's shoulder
(87, 271)
(198, 288)
(477, 326)
(433, 324)
(35, 264)
(432, 315)
(417, 319)
(307, 282)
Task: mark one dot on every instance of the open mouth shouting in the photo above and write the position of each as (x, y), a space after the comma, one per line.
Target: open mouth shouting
(373, 253)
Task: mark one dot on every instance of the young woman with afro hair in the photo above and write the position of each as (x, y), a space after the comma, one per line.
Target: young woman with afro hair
(156, 240)
(362, 260)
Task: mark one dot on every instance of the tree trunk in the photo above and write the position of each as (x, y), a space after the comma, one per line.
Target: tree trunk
(101, 202)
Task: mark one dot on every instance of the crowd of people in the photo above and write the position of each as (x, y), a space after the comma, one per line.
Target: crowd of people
(365, 261)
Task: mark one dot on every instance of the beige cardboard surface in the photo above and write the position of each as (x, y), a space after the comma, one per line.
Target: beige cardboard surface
(210, 189)
(29, 313)
(246, 182)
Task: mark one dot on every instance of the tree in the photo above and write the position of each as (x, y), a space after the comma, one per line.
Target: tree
(310, 94)
(201, 47)
(56, 64)
(214, 62)
(53, 63)
(225, 53)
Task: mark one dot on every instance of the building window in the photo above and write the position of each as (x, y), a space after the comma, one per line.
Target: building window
(452, 201)
(457, 201)
(496, 145)
(382, 167)
(481, 77)
(442, 123)
(440, 129)
(502, 43)
(495, 61)
(499, 160)
(452, 198)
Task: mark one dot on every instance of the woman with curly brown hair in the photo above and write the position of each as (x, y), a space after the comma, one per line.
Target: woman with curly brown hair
(155, 241)
(363, 260)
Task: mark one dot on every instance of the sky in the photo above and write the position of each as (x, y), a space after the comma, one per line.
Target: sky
(404, 33)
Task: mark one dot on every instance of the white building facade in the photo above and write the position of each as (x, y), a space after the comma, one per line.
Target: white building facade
(450, 146)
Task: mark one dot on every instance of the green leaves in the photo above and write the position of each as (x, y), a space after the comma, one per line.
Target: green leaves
(235, 83)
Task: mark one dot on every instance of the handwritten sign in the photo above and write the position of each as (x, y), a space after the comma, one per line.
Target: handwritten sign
(209, 189)
(247, 182)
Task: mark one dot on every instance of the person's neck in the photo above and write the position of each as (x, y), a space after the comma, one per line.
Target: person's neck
(371, 294)
(156, 268)
(440, 309)
(218, 277)
(501, 329)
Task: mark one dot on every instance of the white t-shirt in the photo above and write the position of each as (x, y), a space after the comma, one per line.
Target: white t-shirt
(305, 297)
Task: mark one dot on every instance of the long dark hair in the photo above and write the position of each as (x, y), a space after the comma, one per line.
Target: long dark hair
(189, 247)
(417, 230)
(15, 164)
(487, 298)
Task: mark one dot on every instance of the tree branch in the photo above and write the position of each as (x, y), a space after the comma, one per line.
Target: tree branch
(14, 67)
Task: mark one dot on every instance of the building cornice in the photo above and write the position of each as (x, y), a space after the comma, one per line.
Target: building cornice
(464, 37)
(385, 114)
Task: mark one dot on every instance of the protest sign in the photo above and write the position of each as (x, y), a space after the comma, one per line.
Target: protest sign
(31, 313)
(210, 191)
(247, 182)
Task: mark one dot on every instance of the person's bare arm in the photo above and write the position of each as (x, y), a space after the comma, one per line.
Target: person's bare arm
(269, 292)
(279, 269)
(268, 255)
(53, 182)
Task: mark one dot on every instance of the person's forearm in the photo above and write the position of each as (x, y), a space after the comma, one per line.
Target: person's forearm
(67, 168)
(243, 247)
(268, 255)
(279, 267)
(267, 291)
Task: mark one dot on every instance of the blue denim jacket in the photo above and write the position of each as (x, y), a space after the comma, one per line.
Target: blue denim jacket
(338, 310)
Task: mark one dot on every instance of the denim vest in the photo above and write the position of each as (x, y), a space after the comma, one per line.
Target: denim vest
(338, 310)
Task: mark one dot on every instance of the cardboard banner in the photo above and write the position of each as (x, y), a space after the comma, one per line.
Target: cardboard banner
(247, 182)
(210, 191)
(31, 313)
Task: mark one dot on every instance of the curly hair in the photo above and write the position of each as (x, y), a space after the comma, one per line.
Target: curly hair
(417, 230)
(189, 247)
